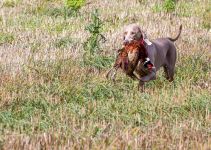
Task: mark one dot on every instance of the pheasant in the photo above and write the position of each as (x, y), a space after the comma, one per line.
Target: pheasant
(128, 58)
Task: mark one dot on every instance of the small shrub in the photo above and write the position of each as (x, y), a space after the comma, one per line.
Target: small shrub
(92, 49)
(6, 38)
(169, 5)
(74, 4)
(71, 7)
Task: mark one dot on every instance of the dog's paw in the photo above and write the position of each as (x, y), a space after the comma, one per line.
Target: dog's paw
(145, 79)
(141, 86)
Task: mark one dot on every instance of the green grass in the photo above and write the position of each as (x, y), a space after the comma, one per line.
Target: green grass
(63, 42)
(51, 100)
(9, 3)
(6, 38)
(166, 6)
(206, 18)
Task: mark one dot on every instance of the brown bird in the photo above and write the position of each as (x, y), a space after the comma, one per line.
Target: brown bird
(128, 58)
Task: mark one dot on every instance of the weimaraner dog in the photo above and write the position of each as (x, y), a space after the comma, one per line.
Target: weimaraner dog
(161, 53)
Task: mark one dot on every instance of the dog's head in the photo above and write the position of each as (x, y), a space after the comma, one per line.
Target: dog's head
(132, 32)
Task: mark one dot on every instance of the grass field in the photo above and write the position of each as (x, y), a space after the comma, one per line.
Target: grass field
(51, 99)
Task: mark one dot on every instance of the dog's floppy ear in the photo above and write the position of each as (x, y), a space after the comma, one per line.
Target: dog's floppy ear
(123, 33)
(145, 38)
(140, 33)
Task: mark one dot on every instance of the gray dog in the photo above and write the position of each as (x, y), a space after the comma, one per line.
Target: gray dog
(161, 53)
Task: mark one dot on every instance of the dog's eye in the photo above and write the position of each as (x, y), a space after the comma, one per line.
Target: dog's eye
(132, 32)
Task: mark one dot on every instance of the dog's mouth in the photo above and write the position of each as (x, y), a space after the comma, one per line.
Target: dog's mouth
(133, 44)
(128, 41)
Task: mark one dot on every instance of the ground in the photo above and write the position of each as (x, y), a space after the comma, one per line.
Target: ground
(49, 98)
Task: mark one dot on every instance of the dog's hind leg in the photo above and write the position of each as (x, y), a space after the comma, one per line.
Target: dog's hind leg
(169, 72)
(166, 72)
(169, 68)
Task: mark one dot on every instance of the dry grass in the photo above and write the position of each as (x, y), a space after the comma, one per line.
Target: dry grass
(49, 100)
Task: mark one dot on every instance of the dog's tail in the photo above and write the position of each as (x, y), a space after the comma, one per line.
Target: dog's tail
(174, 39)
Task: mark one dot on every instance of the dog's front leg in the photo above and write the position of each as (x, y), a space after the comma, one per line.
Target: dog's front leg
(141, 86)
(149, 76)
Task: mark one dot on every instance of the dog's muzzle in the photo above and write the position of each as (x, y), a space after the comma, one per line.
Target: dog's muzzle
(127, 41)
